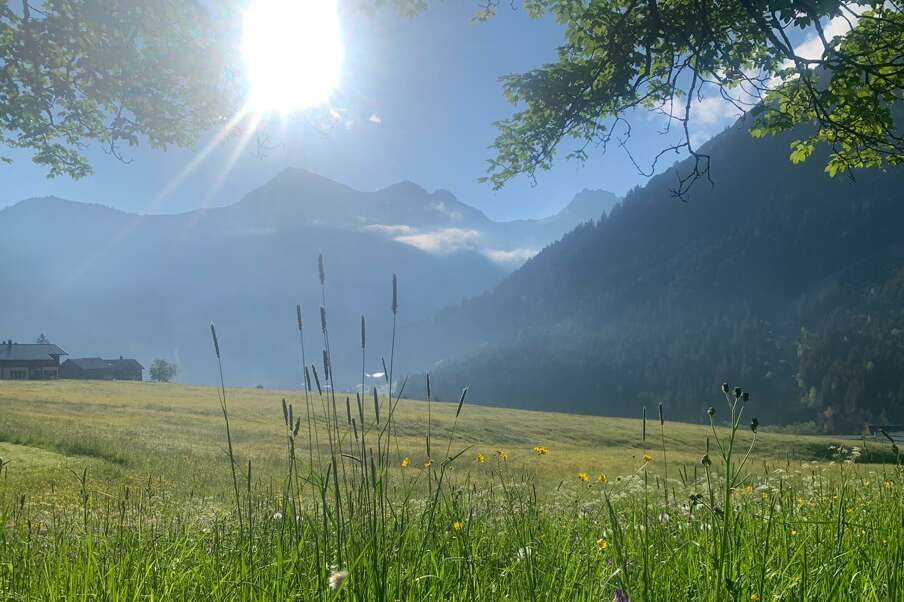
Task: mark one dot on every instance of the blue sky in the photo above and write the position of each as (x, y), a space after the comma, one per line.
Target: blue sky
(417, 100)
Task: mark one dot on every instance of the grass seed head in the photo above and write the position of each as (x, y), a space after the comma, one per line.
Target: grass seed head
(316, 379)
(643, 434)
(461, 402)
(376, 405)
(395, 294)
(216, 343)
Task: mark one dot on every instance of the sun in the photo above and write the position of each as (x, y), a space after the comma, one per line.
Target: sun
(293, 53)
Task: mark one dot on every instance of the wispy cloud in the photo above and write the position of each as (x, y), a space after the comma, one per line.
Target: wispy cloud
(813, 48)
(715, 110)
(390, 229)
(374, 118)
(713, 113)
(450, 213)
(447, 241)
(509, 258)
(444, 241)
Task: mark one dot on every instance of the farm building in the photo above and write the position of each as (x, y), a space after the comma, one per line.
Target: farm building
(25, 361)
(95, 368)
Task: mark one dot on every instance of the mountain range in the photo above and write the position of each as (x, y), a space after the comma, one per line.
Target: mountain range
(776, 277)
(102, 282)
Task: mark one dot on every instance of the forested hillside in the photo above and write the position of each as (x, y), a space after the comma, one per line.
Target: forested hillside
(777, 277)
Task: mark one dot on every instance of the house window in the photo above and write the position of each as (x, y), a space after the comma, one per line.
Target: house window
(49, 374)
(18, 374)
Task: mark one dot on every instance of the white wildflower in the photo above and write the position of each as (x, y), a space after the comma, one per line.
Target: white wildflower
(337, 578)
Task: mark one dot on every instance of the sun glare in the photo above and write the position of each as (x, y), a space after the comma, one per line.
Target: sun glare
(293, 53)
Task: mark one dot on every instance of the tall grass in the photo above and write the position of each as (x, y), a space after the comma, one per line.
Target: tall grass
(353, 518)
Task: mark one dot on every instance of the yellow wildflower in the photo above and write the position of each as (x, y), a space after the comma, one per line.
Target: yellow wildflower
(541, 451)
(602, 478)
(481, 458)
(602, 543)
(428, 464)
(501, 455)
(457, 526)
(406, 461)
(793, 533)
(754, 597)
(647, 458)
(583, 477)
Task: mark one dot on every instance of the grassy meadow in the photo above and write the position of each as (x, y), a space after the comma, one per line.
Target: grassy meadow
(123, 491)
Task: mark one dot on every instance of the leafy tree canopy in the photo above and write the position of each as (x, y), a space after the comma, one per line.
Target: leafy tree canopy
(113, 72)
(623, 55)
(163, 371)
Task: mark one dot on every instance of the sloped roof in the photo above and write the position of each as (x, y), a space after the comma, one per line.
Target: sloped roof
(88, 363)
(96, 363)
(29, 351)
(127, 364)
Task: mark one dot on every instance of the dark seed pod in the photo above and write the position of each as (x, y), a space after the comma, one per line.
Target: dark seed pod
(216, 343)
(461, 402)
(745, 397)
(711, 411)
(737, 392)
(316, 379)
(725, 387)
(376, 406)
(706, 461)
(395, 294)
(754, 425)
(643, 435)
